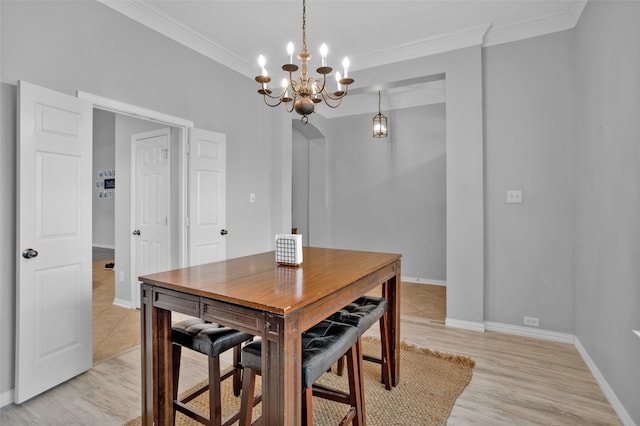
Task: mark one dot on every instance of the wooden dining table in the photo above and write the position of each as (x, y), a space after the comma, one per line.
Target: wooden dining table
(276, 302)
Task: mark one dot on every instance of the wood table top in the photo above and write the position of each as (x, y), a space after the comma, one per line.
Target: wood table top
(257, 281)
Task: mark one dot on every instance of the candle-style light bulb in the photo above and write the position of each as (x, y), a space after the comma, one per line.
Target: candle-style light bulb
(290, 52)
(323, 53)
(285, 84)
(338, 78)
(262, 61)
(345, 64)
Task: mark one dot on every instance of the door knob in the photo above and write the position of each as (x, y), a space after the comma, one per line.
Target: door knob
(29, 253)
(136, 232)
(223, 232)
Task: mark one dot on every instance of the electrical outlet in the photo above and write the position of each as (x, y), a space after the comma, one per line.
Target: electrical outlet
(514, 196)
(532, 321)
(121, 276)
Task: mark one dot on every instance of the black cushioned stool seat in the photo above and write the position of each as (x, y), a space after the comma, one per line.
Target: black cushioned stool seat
(362, 314)
(212, 340)
(322, 346)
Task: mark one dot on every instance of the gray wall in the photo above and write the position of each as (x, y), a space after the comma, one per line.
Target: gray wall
(389, 194)
(530, 145)
(69, 46)
(300, 185)
(607, 194)
(104, 152)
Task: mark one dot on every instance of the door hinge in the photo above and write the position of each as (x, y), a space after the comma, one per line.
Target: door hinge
(186, 221)
(188, 148)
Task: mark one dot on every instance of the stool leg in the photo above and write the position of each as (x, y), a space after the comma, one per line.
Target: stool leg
(177, 352)
(307, 406)
(246, 402)
(340, 367)
(215, 404)
(356, 382)
(386, 355)
(237, 370)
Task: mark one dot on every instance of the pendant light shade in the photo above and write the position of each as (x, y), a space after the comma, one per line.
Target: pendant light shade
(379, 122)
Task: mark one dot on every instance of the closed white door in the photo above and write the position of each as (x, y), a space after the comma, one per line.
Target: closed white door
(207, 197)
(151, 196)
(54, 289)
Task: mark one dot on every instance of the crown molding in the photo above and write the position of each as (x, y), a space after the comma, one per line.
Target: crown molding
(485, 35)
(565, 20)
(147, 15)
(429, 46)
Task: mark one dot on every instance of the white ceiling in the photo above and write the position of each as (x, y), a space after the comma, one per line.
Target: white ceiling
(369, 32)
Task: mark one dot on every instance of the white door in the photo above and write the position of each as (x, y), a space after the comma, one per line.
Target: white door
(151, 197)
(53, 313)
(207, 196)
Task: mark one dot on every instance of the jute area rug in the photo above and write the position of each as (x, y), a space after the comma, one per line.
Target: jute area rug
(429, 384)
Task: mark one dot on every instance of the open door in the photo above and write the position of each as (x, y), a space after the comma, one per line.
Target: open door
(207, 197)
(53, 307)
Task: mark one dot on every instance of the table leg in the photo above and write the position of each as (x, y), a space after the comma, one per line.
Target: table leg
(157, 384)
(146, 350)
(281, 371)
(391, 291)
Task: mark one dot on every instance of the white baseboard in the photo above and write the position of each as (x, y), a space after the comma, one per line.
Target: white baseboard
(103, 246)
(423, 281)
(6, 398)
(122, 303)
(606, 389)
(465, 325)
(530, 332)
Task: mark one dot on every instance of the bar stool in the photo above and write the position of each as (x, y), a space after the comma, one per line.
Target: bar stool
(362, 314)
(212, 340)
(322, 345)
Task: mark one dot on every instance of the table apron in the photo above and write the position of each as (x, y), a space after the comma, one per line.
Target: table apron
(323, 308)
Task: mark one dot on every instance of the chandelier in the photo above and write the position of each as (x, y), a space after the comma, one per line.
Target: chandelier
(379, 123)
(304, 92)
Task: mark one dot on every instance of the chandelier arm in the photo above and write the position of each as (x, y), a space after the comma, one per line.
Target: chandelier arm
(286, 106)
(324, 83)
(332, 97)
(326, 97)
(271, 105)
(266, 94)
(294, 85)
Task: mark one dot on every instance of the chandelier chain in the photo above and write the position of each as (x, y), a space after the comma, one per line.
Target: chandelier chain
(304, 26)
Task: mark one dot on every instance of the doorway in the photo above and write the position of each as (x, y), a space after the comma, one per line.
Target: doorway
(406, 171)
(115, 325)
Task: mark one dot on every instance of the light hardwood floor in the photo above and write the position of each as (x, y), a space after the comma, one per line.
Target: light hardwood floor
(516, 380)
